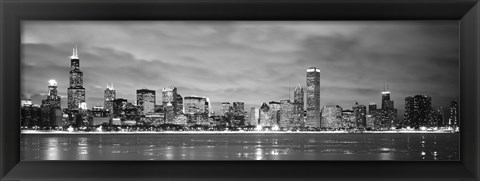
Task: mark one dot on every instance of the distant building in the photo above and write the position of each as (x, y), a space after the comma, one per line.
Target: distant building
(264, 115)
(253, 116)
(453, 119)
(274, 113)
(30, 116)
(387, 115)
(372, 108)
(360, 115)
(298, 101)
(239, 108)
(109, 96)
(349, 119)
(169, 113)
(313, 97)
(225, 108)
(197, 109)
(119, 106)
(76, 92)
(287, 114)
(418, 111)
(194, 105)
(239, 113)
(179, 101)
(171, 95)
(370, 124)
(50, 109)
(440, 117)
(53, 100)
(25, 102)
(331, 117)
(146, 100)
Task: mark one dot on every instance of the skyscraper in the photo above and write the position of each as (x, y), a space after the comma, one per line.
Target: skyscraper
(264, 115)
(253, 116)
(76, 92)
(387, 113)
(179, 101)
(225, 108)
(170, 95)
(109, 97)
(298, 102)
(146, 100)
(53, 100)
(239, 108)
(453, 119)
(274, 112)
(195, 105)
(418, 110)
(313, 97)
(286, 114)
(360, 112)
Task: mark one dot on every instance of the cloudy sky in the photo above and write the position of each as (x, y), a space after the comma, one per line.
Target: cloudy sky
(253, 62)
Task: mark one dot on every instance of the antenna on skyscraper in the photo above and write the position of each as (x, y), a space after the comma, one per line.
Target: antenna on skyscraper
(289, 93)
(76, 50)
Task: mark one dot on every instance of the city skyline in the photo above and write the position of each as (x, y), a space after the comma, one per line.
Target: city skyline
(331, 92)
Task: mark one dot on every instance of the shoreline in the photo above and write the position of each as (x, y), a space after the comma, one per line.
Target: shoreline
(32, 132)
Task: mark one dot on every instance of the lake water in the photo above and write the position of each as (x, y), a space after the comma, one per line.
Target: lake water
(298, 146)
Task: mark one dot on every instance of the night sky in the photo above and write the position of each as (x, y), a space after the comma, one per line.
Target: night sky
(252, 62)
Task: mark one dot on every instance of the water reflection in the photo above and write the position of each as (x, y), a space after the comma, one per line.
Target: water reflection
(242, 147)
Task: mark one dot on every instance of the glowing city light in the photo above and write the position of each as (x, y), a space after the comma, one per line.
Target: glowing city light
(52, 82)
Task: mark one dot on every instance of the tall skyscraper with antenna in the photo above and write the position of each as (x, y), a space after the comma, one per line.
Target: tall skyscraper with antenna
(76, 92)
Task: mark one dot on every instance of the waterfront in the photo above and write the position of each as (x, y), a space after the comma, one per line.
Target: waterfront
(246, 146)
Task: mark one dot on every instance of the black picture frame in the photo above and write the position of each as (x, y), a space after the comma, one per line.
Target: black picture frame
(467, 12)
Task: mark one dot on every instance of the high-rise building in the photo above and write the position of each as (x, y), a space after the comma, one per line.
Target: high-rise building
(53, 100)
(286, 114)
(298, 99)
(194, 105)
(372, 107)
(76, 92)
(239, 108)
(264, 115)
(179, 101)
(169, 113)
(349, 120)
(313, 97)
(274, 112)
(119, 107)
(453, 119)
(146, 101)
(387, 115)
(225, 108)
(171, 95)
(109, 96)
(386, 102)
(253, 117)
(331, 117)
(360, 112)
(418, 111)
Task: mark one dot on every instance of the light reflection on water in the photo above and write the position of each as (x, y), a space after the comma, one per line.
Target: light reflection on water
(242, 147)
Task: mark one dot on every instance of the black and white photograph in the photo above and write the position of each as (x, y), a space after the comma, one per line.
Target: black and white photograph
(240, 90)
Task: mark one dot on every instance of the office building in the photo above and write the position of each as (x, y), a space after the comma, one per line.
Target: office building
(76, 92)
(146, 100)
(313, 97)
